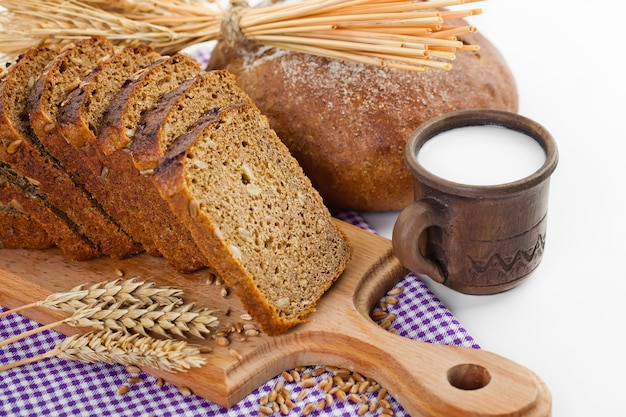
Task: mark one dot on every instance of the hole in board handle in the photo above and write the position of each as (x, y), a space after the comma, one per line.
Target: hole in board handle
(468, 376)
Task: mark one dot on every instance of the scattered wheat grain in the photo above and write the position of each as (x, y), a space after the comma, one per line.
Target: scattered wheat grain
(353, 398)
(309, 382)
(308, 409)
(302, 395)
(235, 354)
(266, 410)
(132, 369)
(396, 291)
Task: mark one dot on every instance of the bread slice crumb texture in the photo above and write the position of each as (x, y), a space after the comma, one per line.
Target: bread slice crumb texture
(267, 213)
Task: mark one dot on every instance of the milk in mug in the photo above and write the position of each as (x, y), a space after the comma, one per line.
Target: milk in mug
(481, 155)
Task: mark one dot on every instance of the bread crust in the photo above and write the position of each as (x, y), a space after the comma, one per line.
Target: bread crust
(348, 124)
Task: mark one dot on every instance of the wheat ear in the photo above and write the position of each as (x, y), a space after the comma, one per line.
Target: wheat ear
(129, 291)
(125, 349)
(164, 320)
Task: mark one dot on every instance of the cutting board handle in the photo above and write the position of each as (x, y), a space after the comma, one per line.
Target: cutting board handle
(426, 379)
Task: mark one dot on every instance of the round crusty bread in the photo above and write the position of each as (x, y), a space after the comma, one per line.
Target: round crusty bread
(347, 124)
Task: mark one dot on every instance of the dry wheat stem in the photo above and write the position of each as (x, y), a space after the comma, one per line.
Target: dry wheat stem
(165, 320)
(125, 349)
(172, 25)
(130, 291)
(29, 21)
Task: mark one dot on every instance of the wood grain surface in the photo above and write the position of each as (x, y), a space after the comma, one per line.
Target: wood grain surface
(427, 379)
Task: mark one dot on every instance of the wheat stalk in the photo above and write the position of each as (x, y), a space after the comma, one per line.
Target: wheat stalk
(340, 29)
(125, 349)
(129, 292)
(165, 320)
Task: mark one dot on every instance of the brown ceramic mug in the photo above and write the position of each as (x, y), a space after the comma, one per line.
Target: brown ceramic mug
(476, 237)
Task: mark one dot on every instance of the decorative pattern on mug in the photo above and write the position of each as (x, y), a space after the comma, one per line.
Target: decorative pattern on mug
(520, 256)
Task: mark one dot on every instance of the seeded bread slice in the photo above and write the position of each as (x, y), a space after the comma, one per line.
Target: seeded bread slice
(255, 215)
(80, 117)
(20, 149)
(23, 196)
(139, 94)
(79, 122)
(179, 110)
(60, 76)
(173, 115)
(127, 187)
(18, 230)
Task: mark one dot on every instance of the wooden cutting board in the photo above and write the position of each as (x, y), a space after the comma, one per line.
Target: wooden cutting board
(427, 379)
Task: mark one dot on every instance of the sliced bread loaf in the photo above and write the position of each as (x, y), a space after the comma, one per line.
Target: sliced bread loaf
(127, 187)
(255, 215)
(23, 150)
(23, 196)
(79, 122)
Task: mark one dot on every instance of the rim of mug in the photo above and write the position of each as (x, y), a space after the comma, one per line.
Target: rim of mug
(481, 117)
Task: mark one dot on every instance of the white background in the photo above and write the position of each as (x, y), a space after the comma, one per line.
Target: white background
(566, 322)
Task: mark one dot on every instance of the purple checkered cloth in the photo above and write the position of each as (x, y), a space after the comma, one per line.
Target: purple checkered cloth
(58, 387)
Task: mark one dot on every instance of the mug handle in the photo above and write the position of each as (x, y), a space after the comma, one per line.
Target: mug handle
(409, 227)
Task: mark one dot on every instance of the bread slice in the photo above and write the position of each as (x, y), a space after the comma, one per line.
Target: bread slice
(140, 94)
(21, 195)
(80, 117)
(22, 149)
(255, 215)
(173, 115)
(127, 187)
(179, 110)
(19, 231)
(79, 121)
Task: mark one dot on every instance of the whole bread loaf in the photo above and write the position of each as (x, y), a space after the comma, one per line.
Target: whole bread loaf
(347, 123)
(254, 214)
